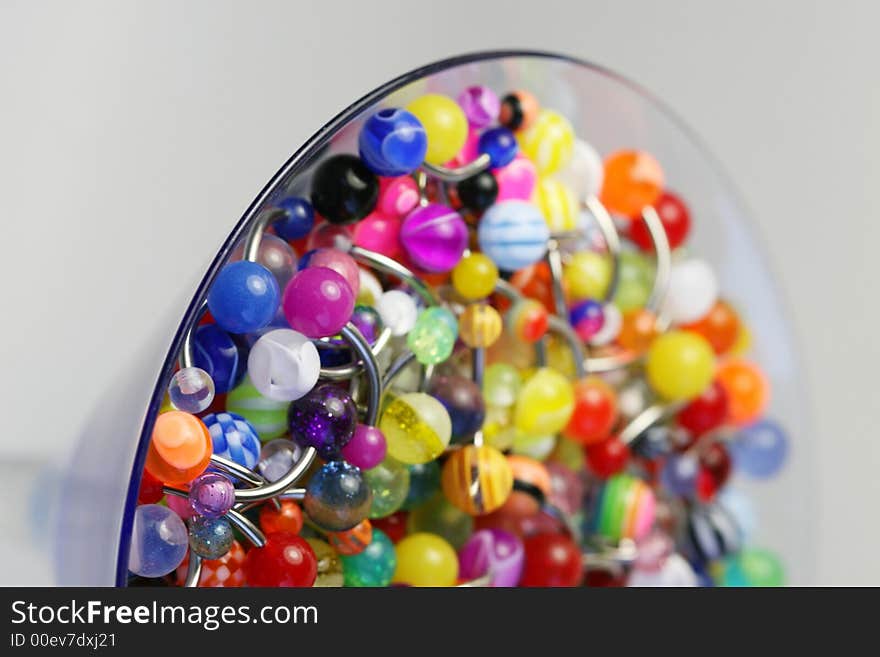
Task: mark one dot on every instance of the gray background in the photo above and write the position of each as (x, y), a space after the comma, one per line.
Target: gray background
(130, 131)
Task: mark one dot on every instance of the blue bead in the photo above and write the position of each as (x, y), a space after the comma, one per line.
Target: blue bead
(244, 297)
(500, 145)
(299, 217)
(424, 481)
(217, 354)
(514, 234)
(393, 142)
(760, 449)
(234, 438)
(210, 538)
(158, 541)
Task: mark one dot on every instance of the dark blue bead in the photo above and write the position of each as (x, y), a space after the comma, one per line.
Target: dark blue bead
(500, 145)
(298, 219)
(244, 297)
(217, 354)
(393, 142)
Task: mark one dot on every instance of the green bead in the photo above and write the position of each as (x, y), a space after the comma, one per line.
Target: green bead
(751, 567)
(439, 516)
(635, 281)
(501, 384)
(268, 417)
(433, 336)
(372, 567)
(389, 482)
(424, 481)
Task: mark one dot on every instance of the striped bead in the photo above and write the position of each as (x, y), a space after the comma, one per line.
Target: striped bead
(558, 204)
(267, 416)
(625, 508)
(477, 480)
(712, 532)
(513, 234)
(479, 325)
(549, 142)
(352, 541)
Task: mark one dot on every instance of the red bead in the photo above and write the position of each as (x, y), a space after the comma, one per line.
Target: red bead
(714, 471)
(288, 518)
(551, 560)
(285, 560)
(603, 578)
(394, 525)
(150, 491)
(225, 572)
(673, 215)
(595, 411)
(608, 457)
(705, 412)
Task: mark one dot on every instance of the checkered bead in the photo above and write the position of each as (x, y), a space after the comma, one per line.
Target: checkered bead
(234, 438)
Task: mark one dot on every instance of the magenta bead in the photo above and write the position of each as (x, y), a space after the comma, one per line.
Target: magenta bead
(326, 235)
(211, 495)
(492, 551)
(379, 233)
(517, 180)
(317, 302)
(434, 237)
(469, 152)
(340, 262)
(481, 106)
(181, 506)
(397, 197)
(367, 447)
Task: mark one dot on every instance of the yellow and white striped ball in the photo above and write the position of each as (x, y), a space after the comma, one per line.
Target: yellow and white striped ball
(477, 480)
(549, 142)
(558, 204)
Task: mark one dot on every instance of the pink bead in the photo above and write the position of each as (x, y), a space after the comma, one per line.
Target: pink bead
(517, 180)
(367, 447)
(317, 302)
(481, 106)
(468, 152)
(379, 233)
(397, 197)
(327, 235)
(181, 506)
(340, 262)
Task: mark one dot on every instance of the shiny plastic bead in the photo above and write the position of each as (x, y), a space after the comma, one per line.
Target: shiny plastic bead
(352, 541)
(379, 233)
(500, 145)
(367, 447)
(180, 448)
(244, 297)
(392, 142)
(287, 519)
(297, 218)
(595, 411)
(389, 484)
(425, 560)
(324, 419)
(638, 330)
(434, 237)
(545, 404)
(516, 181)
(329, 564)
(275, 255)
(584, 172)
(417, 428)
(191, 390)
(344, 190)
(463, 400)
(158, 541)
(337, 260)
(587, 275)
(337, 496)
(210, 538)
(211, 495)
(438, 516)
(217, 354)
(551, 560)
(480, 105)
(474, 277)
(479, 325)
(329, 236)
(633, 180)
(607, 457)
(286, 560)
(477, 480)
(720, 326)
(513, 234)
(760, 449)
(398, 311)
(519, 110)
(277, 457)
(674, 217)
(150, 489)
(706, 412)
(752, 567)
(424, 482)
(501, 385)
(495, 552)
(283, 365)
(477, 192)
(714, 471)
(445, 126)
(397, 196)
(679, 365)
(528, 320)
(549, 142)
(318, 302)
(432, 338)
(373, 566)
(624, 508)
(234, 438)
(558, 204)
(747, 388)
(586, 318)
(635, 280)
(225, 572)
(693, 291)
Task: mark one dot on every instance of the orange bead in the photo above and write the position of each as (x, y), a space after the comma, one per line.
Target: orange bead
(747, 388)
(180, 448)
(720, 327)
(638, 330)
(633, 180)
(532, 474)
(354, 540)
(535, 282)
(288, 518)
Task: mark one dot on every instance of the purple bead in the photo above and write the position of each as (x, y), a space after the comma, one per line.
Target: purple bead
(368, 321)
(679, 474)
(324, 419)
(481, 106)
(434, 237)
(587, 318)
(211, 495)
(367, 447)
(318, 302)
(492, 551)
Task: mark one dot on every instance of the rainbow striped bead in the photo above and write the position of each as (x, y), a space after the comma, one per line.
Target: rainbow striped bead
(549, 142)
(558, 204)
(267, 416)
(477, 480)
(624, 509)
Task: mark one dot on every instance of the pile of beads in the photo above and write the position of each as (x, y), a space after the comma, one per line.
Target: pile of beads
(427, 371)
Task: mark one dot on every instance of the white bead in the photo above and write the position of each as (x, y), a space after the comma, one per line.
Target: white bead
(693, 290)
(610, 326)
(585, 172)
(398, 311)
(284, 365)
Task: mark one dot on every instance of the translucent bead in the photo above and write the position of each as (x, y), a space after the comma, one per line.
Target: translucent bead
(211, 495)
(417, 428)
(439, 516)
(398, 311)
(158, 541)
(424, 482)
(337, 260)
(635, 280)
(277, 457)
(585, 171)
(433, 336)
(275, 255)
(389, 484)
(374, 566)
(501, 384)
(191, 390)
(284, 365)
(180, 448)
(760, 450)
(337, 496)
(210, 538)
(324, 419)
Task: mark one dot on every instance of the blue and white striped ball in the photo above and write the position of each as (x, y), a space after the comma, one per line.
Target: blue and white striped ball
(234, 438)
(513, 234)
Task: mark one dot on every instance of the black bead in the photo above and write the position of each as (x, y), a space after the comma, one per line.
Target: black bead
(344, 190)
(478, 192)
(512, 106)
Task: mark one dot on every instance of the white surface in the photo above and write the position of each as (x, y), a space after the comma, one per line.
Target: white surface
(131, 130)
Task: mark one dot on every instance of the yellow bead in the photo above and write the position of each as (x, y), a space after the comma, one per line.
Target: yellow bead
(569, 453)
(477, 480)
(445, 125)
(536, 447)
(417, 428)
(474, 276)
(587, 275)
(479, 325)
(743, 343)
(545, 404)
(557, 203)
(680, 365)
(425, 560)
(548, 142)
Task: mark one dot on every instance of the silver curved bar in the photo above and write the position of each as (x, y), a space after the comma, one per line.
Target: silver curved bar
(234, 469)
(344, 372)
(612, 241)
(397, 367)
(193, 571)
(295, 494)
(564, 330)
(391, 266)
(645, 420)
(187, 354)
(371, 368)
(664, 263)
(554, 261)
(246, 527)
(257, 229)
(460, 173)
(276, 487)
